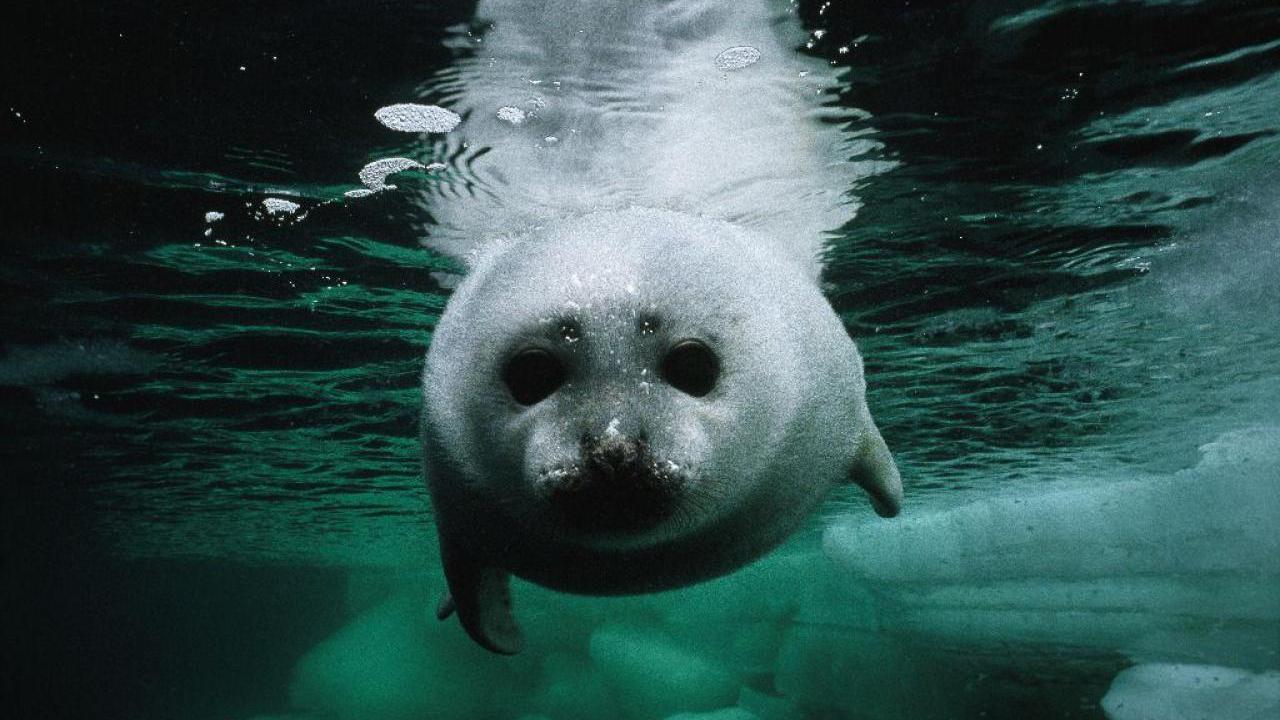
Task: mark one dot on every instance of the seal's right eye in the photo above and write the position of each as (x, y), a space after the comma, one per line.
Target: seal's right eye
(691, 367)
(532, 375)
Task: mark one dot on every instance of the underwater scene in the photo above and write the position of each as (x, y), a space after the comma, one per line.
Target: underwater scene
(231, 232)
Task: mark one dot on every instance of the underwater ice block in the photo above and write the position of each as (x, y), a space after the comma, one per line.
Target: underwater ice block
(1190, 692)
(1177, 567)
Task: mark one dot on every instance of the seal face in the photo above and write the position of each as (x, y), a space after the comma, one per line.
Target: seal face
(634, 400)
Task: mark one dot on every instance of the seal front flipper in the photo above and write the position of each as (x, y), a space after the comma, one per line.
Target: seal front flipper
(875, 472)
(446, 607)
(481, 595)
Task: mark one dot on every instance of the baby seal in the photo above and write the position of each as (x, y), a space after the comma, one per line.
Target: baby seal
(633, 400)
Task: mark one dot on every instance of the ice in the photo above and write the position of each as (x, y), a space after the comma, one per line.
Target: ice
(1192, 692)
(655, 677)
(1176, 567)
(572, 688)
(213, 216)
(906, 635)
(588, 659)
(395, 663)
(411, 117)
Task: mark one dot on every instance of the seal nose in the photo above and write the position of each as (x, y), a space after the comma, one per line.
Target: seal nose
(613, 455)
(615, 487)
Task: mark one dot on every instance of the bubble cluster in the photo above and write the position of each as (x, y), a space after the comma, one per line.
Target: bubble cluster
(736, 58)
(411, 117)
(280, 206)
(374, 175)
(511, 114)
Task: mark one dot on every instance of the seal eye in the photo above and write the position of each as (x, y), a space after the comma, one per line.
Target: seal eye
(691, 368)
(533, 375)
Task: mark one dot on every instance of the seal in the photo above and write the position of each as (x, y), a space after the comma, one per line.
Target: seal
(630, 401)
(638, 384)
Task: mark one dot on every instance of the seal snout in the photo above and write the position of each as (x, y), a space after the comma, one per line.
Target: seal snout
(614, 458)
(616, 485)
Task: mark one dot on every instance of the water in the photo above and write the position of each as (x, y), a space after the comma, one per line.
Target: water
(1061, 275)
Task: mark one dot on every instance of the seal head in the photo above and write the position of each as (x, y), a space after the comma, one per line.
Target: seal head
(631, 401)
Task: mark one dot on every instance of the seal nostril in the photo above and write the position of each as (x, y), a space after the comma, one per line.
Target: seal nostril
(612, 456)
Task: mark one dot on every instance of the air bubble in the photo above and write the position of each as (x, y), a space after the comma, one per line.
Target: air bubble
(736, 58)
(374, 175)
(411, 117)
(511, 114)
(280, 206)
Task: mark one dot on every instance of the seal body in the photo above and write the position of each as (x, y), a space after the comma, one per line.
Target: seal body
(635, 388)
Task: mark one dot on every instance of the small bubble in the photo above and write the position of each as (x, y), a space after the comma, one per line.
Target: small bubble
(647, 326)
(570, 332)
(736, 58)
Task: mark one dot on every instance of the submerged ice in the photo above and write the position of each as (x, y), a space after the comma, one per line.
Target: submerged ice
(1182, 567)
(1172, 575)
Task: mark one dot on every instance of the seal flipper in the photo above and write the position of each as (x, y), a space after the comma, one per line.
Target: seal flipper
(875, 472)
(446, 607)
(481, 595)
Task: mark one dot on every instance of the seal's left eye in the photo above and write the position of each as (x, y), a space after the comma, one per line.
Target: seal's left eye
(533, 375)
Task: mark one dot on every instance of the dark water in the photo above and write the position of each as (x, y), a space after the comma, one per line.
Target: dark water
(1070, 272)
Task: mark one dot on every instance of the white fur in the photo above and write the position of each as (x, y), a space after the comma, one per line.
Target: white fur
(674, 191)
